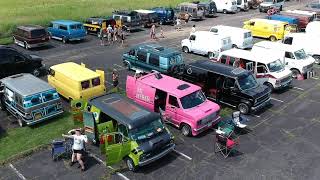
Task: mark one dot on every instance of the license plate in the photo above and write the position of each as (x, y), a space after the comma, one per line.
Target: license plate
(210, 124)
(37, 116)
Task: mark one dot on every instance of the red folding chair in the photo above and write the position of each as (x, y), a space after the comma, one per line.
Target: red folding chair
(225, 145)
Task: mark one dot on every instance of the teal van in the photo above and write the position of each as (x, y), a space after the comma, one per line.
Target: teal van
(149, 57)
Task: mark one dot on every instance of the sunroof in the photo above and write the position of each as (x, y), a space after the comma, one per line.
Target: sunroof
(124, 107)
(183, 86)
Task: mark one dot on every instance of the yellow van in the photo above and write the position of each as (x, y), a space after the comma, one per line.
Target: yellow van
(271, 29)
(74, 81)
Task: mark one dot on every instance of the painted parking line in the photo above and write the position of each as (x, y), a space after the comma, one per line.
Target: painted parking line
(298, 88)
(102, 162)
(182, 154)
(17, 172)
(275, 99)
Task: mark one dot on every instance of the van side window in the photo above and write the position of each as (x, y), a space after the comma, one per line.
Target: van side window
(252, 23)
(231, 61)
(95, 81)
(289, 55)
(261, 68)
(173, 101)
(63, 27)
(154, 59)
(142, 56)
(229, 82)
(85, 85)
(288, 40)
(18, 99)
(192, 37)
(132, 52)
(50, 25)
(223, 59)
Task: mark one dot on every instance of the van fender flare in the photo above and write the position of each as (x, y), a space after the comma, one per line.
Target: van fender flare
(245, 102)
(183, 122)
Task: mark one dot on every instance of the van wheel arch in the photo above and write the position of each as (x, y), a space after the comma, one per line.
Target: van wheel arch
(26, 45)
(224, 11)
(269, 85)
(234, 46)
(244, 107)
(185, 49)
(185, 129)
(130, 163)
(20, 121)
(64, 40)
(295, 72)
(273, 38)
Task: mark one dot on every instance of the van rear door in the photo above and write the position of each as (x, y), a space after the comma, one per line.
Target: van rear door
(131, 87)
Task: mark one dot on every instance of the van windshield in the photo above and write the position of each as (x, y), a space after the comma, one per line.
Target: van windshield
(300, 54)
(192, 100)
(275, 66)
(147, 130)
(247, 82)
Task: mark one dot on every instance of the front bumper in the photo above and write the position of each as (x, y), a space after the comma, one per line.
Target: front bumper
(32, 122)
(77, 39)
(260, 106)
(283, 85)
(158, 156)
(38, 45)
(209, 125)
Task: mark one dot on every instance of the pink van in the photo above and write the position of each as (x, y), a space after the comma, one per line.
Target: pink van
(182, 104)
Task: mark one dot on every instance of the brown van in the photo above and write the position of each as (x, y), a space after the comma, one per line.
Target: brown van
(30, 36)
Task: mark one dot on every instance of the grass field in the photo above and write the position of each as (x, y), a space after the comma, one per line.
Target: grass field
(17, 12)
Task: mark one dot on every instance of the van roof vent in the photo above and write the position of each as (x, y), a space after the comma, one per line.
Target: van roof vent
(238, 71)
(183, 86)
(158, 75)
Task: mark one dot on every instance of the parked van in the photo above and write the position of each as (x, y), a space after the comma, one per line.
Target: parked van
(242, 5)
(29, 99)
(93, 25)
(308, 42)
(182, 104)
(148, 57)
(133, 134)
(234, 87)
(303, 20)
(226, 6)
(67, 30)
(240, 38)
(313, 28)
(166, 15)
(127, 20)
(30, 36)
(268, 69)
(209, 7)
(148, 17)
(269, 4)
(294, 58)
(288, 19)
(206, 43)
(193, 10)
(312, 15)
(74, 81)
(271, 29)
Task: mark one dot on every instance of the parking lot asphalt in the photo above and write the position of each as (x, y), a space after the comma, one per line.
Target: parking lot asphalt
(282, 142)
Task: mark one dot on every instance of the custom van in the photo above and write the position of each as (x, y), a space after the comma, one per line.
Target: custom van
(30, 36)
(288, 19)
(29, 99)
(166, 15)
(308, 42)
(133, 134)
(74, 81)
(66, 30)
(210, 8)
(148, 57)
(303, 19)
(270, 29)
(127, 20)
(182, 104)
(148, 17)
(226, 6)
(234, 87)
(206, 43)
(240, 38)
(268, 69)
(93, 25)
(293, 57)
(194, 11)
(269, 4)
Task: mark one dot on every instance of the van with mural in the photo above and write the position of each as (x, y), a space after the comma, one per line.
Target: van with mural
(181, 104)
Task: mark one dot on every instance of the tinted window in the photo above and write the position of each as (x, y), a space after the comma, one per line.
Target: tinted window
(63, 27)
(95, 81)
(289, 55)
(154, 59)
(85, 84)
(229, 82)
(18, 99)
(192, 37)
(173, 101)
(76, 26)
(288, 40)
(223, 59)
(142, 56)
(38, 33)
(261, 68)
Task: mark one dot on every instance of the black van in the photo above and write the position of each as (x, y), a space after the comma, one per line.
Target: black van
(14, 62)
(235, 87)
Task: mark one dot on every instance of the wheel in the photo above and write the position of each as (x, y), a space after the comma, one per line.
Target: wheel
(185, 49)
(186, 130)
(234, 46)
(26, 45)
(280, 8)
(130, 164)
(21, 122)
(127, 65)
(238, 9)
(243, 108)
(225, 11)
(36, 72)
(270, 86)
(317, 58)
(295, 73)
(64, 40)
(273, 38)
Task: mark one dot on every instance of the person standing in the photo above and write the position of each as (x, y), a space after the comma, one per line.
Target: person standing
(178, 24)
(161, 32)
(115, 78)
(153, 32)
(109, 34)
(122, 36)
(193, 29)
(103, 34)
(79, 141)
(115, 33)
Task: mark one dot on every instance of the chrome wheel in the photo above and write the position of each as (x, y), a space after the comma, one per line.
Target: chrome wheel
(186, 130)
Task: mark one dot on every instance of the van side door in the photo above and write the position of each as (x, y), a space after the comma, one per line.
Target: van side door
(262, 73)
(141, 60)
(193, 44)
(154, 62)
(172, 108)
(229, 94)
(116, 145)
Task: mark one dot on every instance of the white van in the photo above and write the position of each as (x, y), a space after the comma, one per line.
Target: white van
(309, 42)
(294, 58)
(240, 38)
(242, 5)
(268, 4)
(268, 69)
(226, 6)
(206, 43)
(313, 28)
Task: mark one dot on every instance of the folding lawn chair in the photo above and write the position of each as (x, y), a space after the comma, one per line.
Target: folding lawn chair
(225, 145)
(237, 120)
(61, 149)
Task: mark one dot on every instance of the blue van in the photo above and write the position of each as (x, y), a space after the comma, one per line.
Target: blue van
(148, 57)
(290, 20)
(66, 30)
(166, 15)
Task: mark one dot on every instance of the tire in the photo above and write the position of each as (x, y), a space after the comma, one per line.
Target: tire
(269, 85)
(295, 73)
(26, 45)
(64, 40)
(273, 38)
(185, 49)
(21, 122)
(238, 9)
(225, 11)
(130, 164)
(186, 130)
(234, 46)
(317, 58)
(280, 8)
(36, 72)
(127, 65)
(243, 108)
